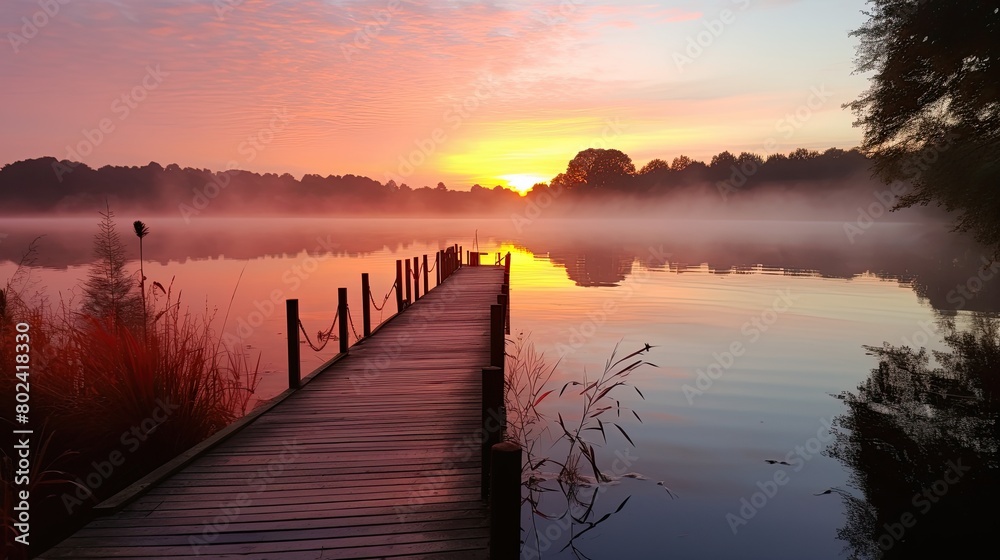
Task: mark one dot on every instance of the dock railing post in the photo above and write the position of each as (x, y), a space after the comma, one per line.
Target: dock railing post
(497, 339)
(492, 419)
(460, 256)
(292, 328)
(366, 310)
(342, 309)
(427, 280)
(437, 269)
(505, 295)
(416, 279)
(505, 501)
(506, 269)
(399, 286)
(409, 276)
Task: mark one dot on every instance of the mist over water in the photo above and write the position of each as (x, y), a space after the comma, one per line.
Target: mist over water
(688, 283)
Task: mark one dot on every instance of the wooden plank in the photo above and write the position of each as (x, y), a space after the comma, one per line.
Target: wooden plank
(376, 456)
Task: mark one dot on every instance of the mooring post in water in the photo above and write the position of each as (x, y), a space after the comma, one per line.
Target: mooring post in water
(416, 278)
(399, 286)
(342, 308)
(409, 276)
(366, 310)
(492, 419)
(292, 328)
(505, 501)
(427, 280)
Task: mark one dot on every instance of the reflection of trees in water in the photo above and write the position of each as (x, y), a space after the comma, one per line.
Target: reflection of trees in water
(922, 440)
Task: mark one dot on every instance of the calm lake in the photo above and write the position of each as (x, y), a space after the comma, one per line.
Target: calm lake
(756, 328)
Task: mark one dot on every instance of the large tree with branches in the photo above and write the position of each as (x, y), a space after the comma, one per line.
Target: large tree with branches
(931, 116)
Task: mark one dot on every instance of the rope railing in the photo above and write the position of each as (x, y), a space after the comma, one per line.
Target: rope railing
(350, 321)
(384, 300)
(446, 262)
(324, 336)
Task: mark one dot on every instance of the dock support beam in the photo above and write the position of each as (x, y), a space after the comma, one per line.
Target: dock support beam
(416, 279)
(366, 297)
(427, 280)
(505, 501)
(409, 276)
(342, 309)
(399, 286)
(292, 329)
(497, 338)
(492, 419)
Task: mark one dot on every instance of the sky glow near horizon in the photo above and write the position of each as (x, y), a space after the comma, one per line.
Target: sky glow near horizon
(420, 92)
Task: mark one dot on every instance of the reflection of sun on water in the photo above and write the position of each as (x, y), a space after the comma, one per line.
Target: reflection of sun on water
(522, 182)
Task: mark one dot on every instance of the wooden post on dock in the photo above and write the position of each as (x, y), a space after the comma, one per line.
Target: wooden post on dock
(506, 269)
(497, 339)
(492, 419)
(427, 280)
(504, 301)
(366, 310)
(459, 256)
(342, 309)
(409, 276)
(292, 328)
(437, 269)
(505, 501)
(416, 278)
(399, 286)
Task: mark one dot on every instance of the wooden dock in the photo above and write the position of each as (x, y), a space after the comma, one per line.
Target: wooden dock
(379, 455)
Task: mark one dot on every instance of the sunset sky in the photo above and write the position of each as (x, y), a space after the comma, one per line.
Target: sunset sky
(419, 91)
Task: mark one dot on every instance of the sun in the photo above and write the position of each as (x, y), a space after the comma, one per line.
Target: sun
(522, 182)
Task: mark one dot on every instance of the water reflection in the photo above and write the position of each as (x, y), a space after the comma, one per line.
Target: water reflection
(922, 443)
(945, 269)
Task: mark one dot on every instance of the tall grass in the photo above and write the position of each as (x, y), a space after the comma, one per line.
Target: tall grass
(527, 388)
(148, 390)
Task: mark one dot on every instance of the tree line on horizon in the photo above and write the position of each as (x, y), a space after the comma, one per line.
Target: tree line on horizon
(32, 186)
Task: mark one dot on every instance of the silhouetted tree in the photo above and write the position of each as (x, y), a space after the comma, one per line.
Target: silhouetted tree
(803, 154)
(749, 160)
(653, 165)
(932, 113)
(108, 291)
(681, 163)
(597, 168)
(723, 161)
